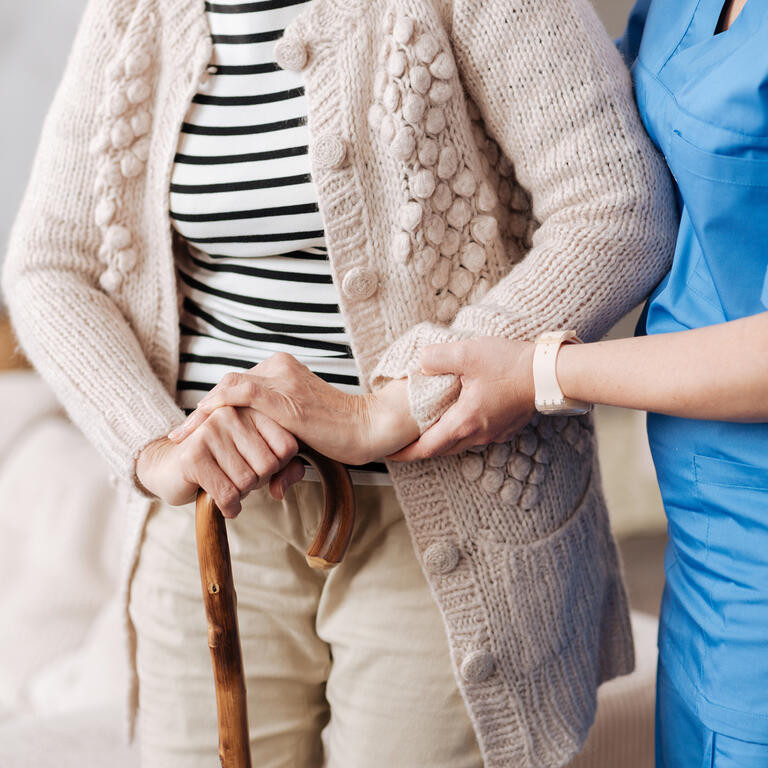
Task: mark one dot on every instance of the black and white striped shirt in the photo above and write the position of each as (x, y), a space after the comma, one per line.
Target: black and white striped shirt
(257, 279)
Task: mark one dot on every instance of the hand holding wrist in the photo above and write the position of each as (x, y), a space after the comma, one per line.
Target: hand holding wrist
(495, 402)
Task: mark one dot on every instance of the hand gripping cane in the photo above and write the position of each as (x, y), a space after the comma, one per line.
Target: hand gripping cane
(326, 551)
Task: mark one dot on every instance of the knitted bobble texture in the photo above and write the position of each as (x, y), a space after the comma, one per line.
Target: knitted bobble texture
(123, 151)
(514, 470)
(443, 190)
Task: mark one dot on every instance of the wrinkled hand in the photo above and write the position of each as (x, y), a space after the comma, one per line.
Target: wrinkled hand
(236, 451)
(354, 429)
(496, 399)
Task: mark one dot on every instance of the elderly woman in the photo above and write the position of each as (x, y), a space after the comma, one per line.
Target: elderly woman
(344, 182)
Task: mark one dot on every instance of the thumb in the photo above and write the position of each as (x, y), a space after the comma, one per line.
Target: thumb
(444, 358)
(290, 474)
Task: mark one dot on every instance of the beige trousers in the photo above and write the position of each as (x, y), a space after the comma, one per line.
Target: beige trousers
(346, 669)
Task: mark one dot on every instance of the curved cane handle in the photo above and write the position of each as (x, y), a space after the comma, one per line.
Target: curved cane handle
(333, 536)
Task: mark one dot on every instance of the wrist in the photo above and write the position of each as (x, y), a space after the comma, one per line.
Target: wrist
(528, 384)
(575, 372)
(146, 462)
(392, 425)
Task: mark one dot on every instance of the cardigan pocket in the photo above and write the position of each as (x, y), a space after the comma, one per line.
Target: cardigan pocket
(549, 596)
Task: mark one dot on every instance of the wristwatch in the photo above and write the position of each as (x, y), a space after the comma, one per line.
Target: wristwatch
(549, 397)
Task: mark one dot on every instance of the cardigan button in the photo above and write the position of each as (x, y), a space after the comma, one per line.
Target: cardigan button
(360, 283)
(441, 558)
(330, 152)
(477, 666)
(291, 54)
(110, 280)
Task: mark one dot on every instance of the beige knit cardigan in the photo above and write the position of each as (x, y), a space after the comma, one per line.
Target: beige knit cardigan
(451, 138)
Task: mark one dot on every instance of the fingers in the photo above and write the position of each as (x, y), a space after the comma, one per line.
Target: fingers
(237, 450)
(285, 478)
(235, 390)
(226, 436)
(187, 427)
(455, 433)
(280, 441)
(444, 358)
(264, 444)
(451, 429)
(203, 470)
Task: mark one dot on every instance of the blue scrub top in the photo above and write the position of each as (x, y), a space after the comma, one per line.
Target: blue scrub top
(704, 101)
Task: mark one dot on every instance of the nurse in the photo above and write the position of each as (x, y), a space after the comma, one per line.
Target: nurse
(701, 371)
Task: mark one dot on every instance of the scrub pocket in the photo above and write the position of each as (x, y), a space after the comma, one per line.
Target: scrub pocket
(734, 498)
(735, 753)
(683, 741)
(725, 196)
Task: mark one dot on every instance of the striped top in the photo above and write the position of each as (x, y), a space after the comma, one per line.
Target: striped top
(257, 279)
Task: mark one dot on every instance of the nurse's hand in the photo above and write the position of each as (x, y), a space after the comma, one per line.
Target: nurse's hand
(236, 451)
(496, 399)
(354, 429)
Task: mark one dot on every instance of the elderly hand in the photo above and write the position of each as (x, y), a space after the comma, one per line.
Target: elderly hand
(234, 452)
(354, 429)
(496, 399)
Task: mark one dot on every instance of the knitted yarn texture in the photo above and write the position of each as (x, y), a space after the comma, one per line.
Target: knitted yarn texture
(481, 170)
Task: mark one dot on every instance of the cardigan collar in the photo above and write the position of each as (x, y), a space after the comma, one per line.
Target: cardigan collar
(186, 25)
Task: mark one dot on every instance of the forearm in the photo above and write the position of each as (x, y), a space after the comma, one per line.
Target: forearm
(82, 346)
(600, 190)
(716, 373)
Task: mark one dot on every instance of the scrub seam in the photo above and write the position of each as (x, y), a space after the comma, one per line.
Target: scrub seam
(694, 118)
(682, 37)
(710, 600)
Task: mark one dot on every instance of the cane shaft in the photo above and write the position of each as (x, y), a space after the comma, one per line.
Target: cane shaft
(223, 634)
(326, 551)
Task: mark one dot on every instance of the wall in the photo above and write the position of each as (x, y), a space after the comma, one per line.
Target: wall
(35, 37)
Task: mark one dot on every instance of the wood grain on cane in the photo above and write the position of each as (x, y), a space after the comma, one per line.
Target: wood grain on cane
(326, 551)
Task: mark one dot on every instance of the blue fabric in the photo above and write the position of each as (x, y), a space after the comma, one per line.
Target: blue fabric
(704, 101)
(683, 741)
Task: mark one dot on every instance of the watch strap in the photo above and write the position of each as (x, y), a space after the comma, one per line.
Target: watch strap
(549, 397)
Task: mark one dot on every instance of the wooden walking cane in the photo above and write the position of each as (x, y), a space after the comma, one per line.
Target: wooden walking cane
(326, 551)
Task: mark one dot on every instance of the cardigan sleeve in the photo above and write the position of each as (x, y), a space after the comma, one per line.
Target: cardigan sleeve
(554, 93)
(72, 331)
